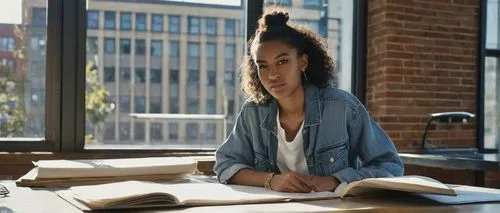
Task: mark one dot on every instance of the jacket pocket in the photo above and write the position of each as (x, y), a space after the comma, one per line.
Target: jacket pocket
(261, 162)
(333, 158)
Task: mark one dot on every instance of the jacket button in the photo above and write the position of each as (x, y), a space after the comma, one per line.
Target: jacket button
(332, 159)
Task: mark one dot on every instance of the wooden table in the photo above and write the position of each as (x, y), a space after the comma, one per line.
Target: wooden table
(28, 200)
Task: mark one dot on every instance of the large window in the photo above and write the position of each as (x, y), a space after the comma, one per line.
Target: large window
(140, 22)
(75, 76)
(125, 20)
(23, 96)
(491, 75)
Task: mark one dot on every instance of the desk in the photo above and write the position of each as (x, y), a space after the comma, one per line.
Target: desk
(480, 163)
(27, 200)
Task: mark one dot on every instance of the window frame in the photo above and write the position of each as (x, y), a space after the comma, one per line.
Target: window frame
(65, 75)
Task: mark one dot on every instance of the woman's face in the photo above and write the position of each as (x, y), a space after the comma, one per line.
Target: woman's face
(280, 67)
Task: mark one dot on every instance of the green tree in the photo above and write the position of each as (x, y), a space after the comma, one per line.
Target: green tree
(97, 100)
(12, 111)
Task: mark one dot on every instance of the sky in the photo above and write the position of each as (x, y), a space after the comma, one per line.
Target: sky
(10, 11)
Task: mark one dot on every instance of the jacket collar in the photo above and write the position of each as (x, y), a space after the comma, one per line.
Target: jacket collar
(312, 108)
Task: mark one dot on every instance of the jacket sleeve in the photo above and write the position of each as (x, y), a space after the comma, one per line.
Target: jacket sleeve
(236, 152)
(375, 148)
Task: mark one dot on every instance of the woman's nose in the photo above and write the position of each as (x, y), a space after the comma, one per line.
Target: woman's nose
(273, 73)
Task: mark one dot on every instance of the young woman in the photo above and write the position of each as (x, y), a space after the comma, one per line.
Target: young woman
(296, 133)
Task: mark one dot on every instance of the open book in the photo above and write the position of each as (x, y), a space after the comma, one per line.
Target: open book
(136, 194)
(95, 171)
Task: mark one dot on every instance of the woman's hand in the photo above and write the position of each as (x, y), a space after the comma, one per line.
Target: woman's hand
(290, 182)
(320, 183)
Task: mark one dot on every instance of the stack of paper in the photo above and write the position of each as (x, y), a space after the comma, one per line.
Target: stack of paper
(83, 172)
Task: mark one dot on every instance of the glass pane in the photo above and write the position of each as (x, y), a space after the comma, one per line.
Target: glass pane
(492, 101)
(334, 25)
(163, 57)
(23, 41)
(492, 35)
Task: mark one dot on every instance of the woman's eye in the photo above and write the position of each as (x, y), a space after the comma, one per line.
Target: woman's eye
(281, 62)
(262, 67)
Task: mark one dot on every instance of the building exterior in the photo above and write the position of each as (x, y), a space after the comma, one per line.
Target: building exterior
(164, 57)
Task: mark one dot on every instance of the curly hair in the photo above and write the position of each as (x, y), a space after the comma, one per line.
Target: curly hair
(273, 26)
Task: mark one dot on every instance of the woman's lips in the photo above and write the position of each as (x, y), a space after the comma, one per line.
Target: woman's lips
(276, 87)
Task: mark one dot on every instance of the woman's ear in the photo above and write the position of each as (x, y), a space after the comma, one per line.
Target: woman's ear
(303, 62)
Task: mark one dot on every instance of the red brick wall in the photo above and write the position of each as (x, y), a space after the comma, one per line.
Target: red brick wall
(421, 59)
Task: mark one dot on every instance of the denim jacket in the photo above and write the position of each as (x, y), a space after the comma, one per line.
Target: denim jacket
(340, 139)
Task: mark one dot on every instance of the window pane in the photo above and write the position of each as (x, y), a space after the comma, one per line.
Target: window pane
(211, 26)
(109, 20)
(492, 101)
(194, 25)
(23, 29)
(125, 20)
(125, 46)
(140, 22)
(140, 47)
(156, 47)
(175, 72)
(92, 19)
(492, 35)
(335, 26)
(157, 23)
(174, 24)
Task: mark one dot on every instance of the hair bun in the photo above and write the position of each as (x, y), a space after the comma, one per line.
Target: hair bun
(276, 19)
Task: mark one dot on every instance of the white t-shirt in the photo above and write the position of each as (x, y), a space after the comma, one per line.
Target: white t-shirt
(290, 155)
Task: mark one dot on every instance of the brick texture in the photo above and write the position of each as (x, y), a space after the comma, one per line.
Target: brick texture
(422, 59)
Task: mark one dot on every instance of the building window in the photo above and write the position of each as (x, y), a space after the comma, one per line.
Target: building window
(155, 76)
(7, 44)
(140, 75)
(139, 128)
(156, 131)
(173, 131)
(194, 25)
(173, 104)
(174, 77)
(109, 131)
(193, 50)
(109, 74)
(109, 20)
(210, 131)
(124, 74)
(174, 24)
(211, 26)
(281, 2)
(192, 131)
(312, 3)
(124, 131)
(156, 48)
(155, 105)
(140, 22)
(125, 46)
(210, 106)
(92, 19)
(39, 17)
(211, 78)
(211, 50)
(229, 28)
(157, 23)
(125, 21)
(229, 51)
(124, 103)
(173, 49)
(140, 47)
(92, 45)
(140, 104)
(109, 45)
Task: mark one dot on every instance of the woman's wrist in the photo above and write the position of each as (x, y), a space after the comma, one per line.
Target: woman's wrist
(268, 179)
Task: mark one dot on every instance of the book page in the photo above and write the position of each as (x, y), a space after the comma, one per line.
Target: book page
(466, 194)
(130, 193)
(114, 167)
(411, 183)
